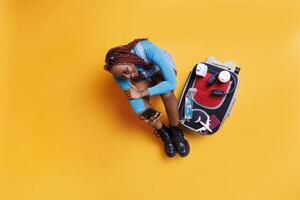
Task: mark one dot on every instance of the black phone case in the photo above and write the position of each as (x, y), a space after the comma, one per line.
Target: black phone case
(148, 113)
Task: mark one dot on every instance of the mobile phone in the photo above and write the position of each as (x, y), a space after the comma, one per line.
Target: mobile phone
(150, 112)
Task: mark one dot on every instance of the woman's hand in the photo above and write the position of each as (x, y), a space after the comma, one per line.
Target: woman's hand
(152, 121)
(134, 93)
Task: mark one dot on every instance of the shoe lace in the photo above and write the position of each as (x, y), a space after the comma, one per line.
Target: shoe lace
(177, 133)
(162, 135)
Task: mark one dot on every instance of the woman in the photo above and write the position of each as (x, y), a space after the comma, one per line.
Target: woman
(143, 70)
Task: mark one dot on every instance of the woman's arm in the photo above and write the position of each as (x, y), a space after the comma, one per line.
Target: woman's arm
(155, 55)
(138, 105)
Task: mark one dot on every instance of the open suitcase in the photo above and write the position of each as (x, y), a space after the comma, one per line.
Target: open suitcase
(209, 110)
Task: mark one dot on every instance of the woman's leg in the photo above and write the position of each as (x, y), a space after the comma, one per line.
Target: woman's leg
(142, 85)
(170, 102)
(157, 124)
(171, 105)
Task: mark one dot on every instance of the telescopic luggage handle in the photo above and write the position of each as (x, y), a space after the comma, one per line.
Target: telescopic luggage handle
(228, 65)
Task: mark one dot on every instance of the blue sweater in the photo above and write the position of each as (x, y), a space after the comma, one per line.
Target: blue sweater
(156, 56)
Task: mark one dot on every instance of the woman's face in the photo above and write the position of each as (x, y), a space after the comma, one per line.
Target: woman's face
(124, 71)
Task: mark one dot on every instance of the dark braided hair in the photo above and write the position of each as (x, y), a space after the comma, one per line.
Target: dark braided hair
(122, 55)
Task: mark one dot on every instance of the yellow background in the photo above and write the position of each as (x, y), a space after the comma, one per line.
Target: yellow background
(67, 131)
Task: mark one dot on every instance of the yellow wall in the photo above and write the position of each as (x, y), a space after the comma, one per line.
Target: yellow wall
(67, 131)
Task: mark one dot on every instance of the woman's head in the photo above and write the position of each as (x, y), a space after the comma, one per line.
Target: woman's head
(124, 71)
(120, 61)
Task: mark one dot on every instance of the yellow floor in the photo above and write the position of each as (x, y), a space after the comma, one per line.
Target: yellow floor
(67, 131)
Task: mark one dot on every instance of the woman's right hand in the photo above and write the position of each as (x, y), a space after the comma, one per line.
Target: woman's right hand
(134, 93)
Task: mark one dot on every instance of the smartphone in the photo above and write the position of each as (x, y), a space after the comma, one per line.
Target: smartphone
(150, 112)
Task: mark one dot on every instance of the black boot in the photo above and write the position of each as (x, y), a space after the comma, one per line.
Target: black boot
(163, 133)
(181, 144)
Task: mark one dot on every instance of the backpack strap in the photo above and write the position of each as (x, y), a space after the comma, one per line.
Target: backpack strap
(141, 52)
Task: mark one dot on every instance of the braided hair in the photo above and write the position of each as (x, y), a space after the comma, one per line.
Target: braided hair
(122, 55)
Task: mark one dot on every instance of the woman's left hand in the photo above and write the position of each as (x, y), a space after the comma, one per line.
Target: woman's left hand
(134, 93)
